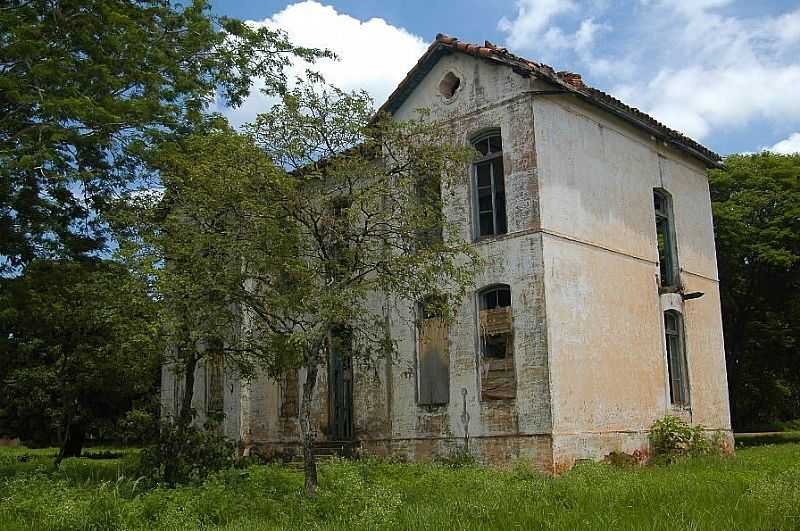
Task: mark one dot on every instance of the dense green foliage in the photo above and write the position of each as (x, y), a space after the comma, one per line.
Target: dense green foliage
(94, 94)
(79, 350)
(758, 489)
(186, 454)
(756, 203)
(88, 86)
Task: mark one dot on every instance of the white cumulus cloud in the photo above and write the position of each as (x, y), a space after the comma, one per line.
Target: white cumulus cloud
(699, 66)
(788, 146)
(533, 17)
(373, 54)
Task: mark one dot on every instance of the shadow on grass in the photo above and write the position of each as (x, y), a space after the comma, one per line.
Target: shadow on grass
(746, 440)
(106, 454)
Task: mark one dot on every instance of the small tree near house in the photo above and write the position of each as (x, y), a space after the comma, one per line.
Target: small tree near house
(351, 225)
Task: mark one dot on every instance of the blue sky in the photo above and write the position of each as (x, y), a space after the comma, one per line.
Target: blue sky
(725, 72)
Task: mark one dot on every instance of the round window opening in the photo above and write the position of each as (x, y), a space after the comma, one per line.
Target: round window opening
(449, 85)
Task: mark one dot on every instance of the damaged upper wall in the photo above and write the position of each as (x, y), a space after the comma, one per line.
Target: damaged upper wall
(489, 96)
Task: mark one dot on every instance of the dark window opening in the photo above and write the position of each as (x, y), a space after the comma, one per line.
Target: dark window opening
(340, 383)
(431, 217)
(676, 358)
(215, 402)
(496, 344)
(489, 182)
(290, 395)
(667, 252)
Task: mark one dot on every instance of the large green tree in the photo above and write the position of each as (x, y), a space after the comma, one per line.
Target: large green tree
(756, 203)
(79, 347)
(87, 86)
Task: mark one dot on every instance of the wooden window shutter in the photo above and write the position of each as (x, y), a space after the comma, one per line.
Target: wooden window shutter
(434, 362)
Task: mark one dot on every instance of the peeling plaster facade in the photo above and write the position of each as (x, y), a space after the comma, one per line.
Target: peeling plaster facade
(581, 260)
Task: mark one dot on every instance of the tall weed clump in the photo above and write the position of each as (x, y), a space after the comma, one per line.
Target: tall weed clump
(187, 455)
(672, 437)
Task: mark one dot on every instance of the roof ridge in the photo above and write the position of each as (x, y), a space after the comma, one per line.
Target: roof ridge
(571, 81)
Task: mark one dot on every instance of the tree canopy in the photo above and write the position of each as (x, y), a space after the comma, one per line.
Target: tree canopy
(86, 87)
(79, 348)
(756, 203)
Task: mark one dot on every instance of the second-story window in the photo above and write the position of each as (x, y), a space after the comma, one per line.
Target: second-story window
(490, 187)
(665, 235)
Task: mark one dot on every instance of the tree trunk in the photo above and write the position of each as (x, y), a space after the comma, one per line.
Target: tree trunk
(310, 465)
(75, 437)
(185, 415)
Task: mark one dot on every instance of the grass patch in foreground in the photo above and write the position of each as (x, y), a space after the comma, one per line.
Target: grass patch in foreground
(759, 489)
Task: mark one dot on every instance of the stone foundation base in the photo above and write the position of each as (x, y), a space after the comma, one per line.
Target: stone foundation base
(550, 454)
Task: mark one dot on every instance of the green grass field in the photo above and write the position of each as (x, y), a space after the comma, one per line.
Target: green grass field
(758, 489)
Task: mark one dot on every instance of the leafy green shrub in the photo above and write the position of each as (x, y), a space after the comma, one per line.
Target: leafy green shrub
(672, 437)
(187, 455)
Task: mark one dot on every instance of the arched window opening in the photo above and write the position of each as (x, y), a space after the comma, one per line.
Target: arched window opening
(496, 344)
(665, 237)
(489, 183)
(676, 358)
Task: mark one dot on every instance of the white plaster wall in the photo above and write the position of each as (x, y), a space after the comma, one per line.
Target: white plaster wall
(604, 314)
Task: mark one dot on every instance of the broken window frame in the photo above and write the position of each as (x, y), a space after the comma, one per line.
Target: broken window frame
(490, 146)
(668, 268)
(496, 369)
(677, 364)
(429, 313)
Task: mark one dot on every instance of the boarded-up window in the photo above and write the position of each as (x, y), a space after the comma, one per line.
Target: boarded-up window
(290, 399)
(434, 359)
(497, 344)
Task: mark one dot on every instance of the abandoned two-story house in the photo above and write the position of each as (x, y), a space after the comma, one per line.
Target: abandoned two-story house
(597, 314)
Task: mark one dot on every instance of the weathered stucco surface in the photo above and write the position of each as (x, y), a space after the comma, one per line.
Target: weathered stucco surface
(581, 261)
(605, 315)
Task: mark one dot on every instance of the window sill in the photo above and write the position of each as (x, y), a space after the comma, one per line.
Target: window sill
(432, 408)
(494, 238)
(663, 290)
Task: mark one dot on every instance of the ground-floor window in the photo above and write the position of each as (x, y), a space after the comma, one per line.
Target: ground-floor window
(676, 358)
(496, 343)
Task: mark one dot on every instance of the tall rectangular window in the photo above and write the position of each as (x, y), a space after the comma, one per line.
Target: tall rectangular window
(490, 189)
(496, 343)
(433, 356)
(676, 358)
(431, 216)
(665, 235)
